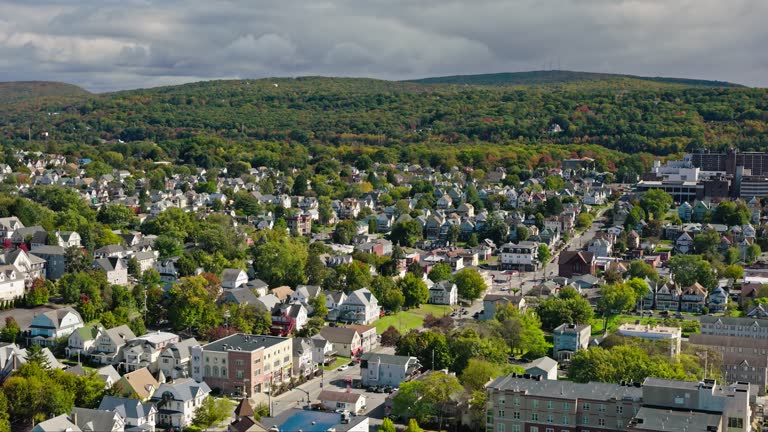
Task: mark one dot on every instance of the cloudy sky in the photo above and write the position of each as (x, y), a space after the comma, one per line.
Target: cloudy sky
(118, 44)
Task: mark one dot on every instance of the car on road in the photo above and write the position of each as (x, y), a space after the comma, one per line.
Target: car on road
(352, 363)
(464, 312)
(373, 389)
(512, 272)
(343, 367)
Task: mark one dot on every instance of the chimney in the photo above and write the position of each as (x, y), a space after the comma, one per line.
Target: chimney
(74, 418)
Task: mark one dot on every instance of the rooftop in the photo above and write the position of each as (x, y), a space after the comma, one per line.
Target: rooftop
(310, 421)
(244, 342)
(656, 419)
(566, 389)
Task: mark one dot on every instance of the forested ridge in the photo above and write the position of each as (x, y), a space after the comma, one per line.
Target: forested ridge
(284, 122)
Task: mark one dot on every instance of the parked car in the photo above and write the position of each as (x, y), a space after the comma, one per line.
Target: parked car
(343, 367)
(373, 388)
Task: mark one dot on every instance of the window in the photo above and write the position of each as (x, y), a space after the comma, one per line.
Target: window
(207, 371)
(501, 413)
(516, 400)
(585, 407)
(585, 420)
(566, 406)
(516, 415)
(535, 416)
(223, 371)
(239, 374)
(500, 427)
(565, 420)
(550, 418)
(196, 369)
(550, 404)
(535, 404)
(601, 422)
(601, 407)
(619, 409)
(533, 429)
(239, 362)
(549, 430)
(515, 428)
(735, 422)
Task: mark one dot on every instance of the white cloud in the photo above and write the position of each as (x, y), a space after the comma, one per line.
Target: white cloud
(111, 44)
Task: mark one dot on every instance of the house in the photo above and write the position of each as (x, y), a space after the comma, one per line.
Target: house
(11, 283)
(718, 300)
(49, 326)
(60, 423)
(139, 384)
(136, 414)
(239, 296)
(233, 278)
(115, 268)
(282, 293)
(55, 262)
(303, 364)
(346, 401)
(83, 340)
(244, 419)
(542, 367)
(360, 307)
(574, 263)
(9, 225)
(108, 375)
(522, 256)
(684, 243)
(443, 292)
(685, 212)
(146, 260)
(258, 286)
(174, 358)
(109, 344)
(244, 363)
(600, 247)
(346, 341)
(369, 339)
(387, 369)
(570, 338)
(494, 302)
(68, 239)
(304, 293)
(177, 402)
(93, 420)
(322, 350)
(693, 298)
(28, 266)
(145, 350)
(300, 224)
(287, 318)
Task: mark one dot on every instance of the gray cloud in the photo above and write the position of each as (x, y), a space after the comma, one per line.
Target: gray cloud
(116, 44)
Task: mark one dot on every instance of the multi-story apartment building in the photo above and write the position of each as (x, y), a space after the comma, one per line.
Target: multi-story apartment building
(242, 362)
(519, 404)
(741, 327)
(744, 359)
(521, 256)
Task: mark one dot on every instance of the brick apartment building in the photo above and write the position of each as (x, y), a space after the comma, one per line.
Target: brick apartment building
(242, 362)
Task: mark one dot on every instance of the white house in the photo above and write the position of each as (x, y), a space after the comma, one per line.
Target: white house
(136, 413)
(352, 402)
(233, 278)
(11, 283)
(115, 268)
(523, 256)
(360, 307)
(444, 292)
(54, 324)
(179, 401)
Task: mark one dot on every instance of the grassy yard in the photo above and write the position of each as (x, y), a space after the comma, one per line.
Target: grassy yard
(339, 361)
(410, 319)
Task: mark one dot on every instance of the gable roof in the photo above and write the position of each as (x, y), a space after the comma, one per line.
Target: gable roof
(567, 257)
(140, 382)
(127, 407)
(185, 389)
(339, 334)
(338, 396)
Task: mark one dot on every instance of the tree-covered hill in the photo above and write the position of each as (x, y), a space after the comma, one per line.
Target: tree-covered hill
(11, 92)
(288, 121)
(562, 77)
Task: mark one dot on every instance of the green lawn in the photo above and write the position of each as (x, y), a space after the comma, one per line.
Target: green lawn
(410, 319)
(339, 361)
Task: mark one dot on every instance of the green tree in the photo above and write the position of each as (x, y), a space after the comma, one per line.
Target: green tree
(386, 291)
(641, 269)
(415, 291)
(568, 307)
(472, 242)
(212, 412)
(39, 292)
(689, 269)
(522, 233)
(406, 233)
(656, 203)
(426, 398)
(478, 372)
(495, 229)
(281, 262)
(440, 272)
(194, 305)
(753, 253)
(5, 423)
(615, 299)
(469, 284)
(734, 272)
(11, 331)
(522, 331)
(117, 216)
(387, 426)
(35, 355)
(413, 426)
(544, 254)
(345, 232)
(639, 286)
(317, 304)
(430, 347)
(469, 344)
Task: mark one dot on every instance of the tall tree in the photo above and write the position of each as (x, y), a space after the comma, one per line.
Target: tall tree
(414, 290)
(469, 283)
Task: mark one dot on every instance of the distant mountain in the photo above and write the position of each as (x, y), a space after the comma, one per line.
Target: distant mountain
(19, 91)
(544, 78)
